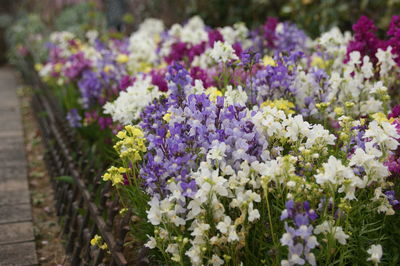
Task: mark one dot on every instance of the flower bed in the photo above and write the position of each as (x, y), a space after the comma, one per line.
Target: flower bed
(241, 146)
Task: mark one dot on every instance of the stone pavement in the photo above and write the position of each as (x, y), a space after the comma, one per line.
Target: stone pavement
(17, 246)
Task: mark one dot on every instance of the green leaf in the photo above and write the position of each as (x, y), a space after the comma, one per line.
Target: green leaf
(65, 178)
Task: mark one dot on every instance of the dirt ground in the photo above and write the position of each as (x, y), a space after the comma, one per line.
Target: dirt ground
(48, 236)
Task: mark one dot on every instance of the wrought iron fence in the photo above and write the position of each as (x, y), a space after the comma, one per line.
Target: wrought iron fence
(84, 209)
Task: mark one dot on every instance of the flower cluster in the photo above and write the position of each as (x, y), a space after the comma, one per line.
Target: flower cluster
(243, 146)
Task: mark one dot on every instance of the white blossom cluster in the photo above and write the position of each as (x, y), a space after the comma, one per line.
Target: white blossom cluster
(129, 104)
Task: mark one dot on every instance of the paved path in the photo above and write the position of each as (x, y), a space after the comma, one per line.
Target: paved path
(17, 246)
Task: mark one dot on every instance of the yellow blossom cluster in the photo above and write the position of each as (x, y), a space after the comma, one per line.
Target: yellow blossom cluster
(98, 241)
(131, 143)
(213, 93)
(114, 175)
(268, 61)
(280, 104)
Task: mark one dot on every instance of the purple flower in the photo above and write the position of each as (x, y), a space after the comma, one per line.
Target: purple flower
(74, 119)
(125, 82)
(178, 51)
(269, 32)
(274, 82)
(90, 87)
(214, 36)
(105, 122)
(365, 39)
(301, 219)
(310, 212)
(189, 188)
(249, 58)
(395, 112)
(77, 63)
(390, 194)
(201, 74)
(158, 79)
(175, 147)
(237, 46)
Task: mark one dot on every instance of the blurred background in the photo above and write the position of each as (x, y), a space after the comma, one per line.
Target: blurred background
(33, 18)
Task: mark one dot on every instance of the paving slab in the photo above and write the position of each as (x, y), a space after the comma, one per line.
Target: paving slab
(17, 246)
(14, 197)
(16, 233)
(19, 254)
(15, 212)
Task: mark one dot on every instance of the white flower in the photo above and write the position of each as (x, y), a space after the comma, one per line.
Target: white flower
(384, 204)
(227, 228)
(376, 253)
(142, 51)
(194, 31)
(238, 33)
(287, 239)
(327, 227)
(334, 172)
(130, 103)
(194, 253)
(172, 248)
(367, 67)
(200, 229)
(385, 61)
(370, 106)
(152, 243)
(223, 52)
(254, 214)
(340, 235)
(216, 260)
(319, 136)
(154, 214)
(296, 127)
(152, 26)
(384, 133)
(92, 35)
(209, 181)
(235, 96)
(217, 152)
(355, 57)
(285, 263)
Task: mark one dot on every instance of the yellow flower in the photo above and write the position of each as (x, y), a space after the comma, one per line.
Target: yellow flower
(269, 61)
(280, 104)
(162, 65)
(114, 175)
(107, 68)
(349, 104)
(121, 134)
(145, 67)
(380, 117)
(122, 58)
(57, 67)
(38, 67)
(157, 38)
(98, 241)
(322, 106)
(131, 143)
(213, 93)
(95, 240)
(167, 117)
(339, 111)
(318, 62)
(123, 211)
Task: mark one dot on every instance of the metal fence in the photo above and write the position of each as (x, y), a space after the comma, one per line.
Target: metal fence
(85, 205)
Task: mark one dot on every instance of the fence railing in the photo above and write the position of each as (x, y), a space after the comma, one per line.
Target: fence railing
(84, 209)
